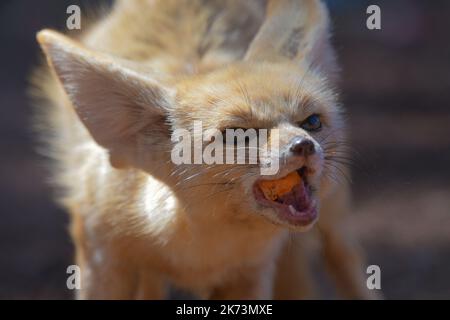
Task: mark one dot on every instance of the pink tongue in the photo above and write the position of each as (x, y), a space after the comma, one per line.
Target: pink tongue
(298, 197)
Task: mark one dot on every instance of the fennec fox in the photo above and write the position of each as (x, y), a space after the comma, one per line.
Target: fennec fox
(141, 223)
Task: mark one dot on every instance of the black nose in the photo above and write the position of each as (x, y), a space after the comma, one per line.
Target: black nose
(302, 147)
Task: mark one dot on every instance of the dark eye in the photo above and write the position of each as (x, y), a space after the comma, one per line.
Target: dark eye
(312, 123)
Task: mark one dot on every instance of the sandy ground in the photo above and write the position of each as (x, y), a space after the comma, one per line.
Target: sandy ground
(396, 88)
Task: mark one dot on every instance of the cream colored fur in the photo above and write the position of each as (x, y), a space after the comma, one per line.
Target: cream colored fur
(139, 222)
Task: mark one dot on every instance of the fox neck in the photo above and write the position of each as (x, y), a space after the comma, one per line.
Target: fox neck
(227, 231)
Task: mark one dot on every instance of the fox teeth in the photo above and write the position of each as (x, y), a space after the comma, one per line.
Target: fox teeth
(292, 210)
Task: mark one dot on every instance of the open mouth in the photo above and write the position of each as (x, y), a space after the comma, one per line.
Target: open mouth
(290, 196)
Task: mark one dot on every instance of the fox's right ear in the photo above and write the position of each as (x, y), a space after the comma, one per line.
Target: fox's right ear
(115, 103)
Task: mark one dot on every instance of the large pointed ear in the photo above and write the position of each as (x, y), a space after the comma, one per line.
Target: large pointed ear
(115, 103)
(295, 30)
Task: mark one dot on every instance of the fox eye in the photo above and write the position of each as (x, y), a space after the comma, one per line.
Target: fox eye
(312, 123)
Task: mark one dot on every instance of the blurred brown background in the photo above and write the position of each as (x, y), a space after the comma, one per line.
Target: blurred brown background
(395, 86)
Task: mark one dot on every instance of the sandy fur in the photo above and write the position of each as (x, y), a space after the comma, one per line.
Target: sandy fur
(136, 225)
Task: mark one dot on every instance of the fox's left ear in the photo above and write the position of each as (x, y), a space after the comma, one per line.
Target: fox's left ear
(116, 104)
(296, 30)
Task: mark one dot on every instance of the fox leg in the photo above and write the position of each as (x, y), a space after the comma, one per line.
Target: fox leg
(107, 272)
(247, 284)
(293, 279)
(343, 256)
(345, 264)
(103, 277)
(119, 280)
(151, 286)
(108, 283)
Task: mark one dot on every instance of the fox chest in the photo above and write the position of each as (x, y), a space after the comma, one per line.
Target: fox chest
(212, 260)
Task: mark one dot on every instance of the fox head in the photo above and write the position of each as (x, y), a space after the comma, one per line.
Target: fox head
(282, 84)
